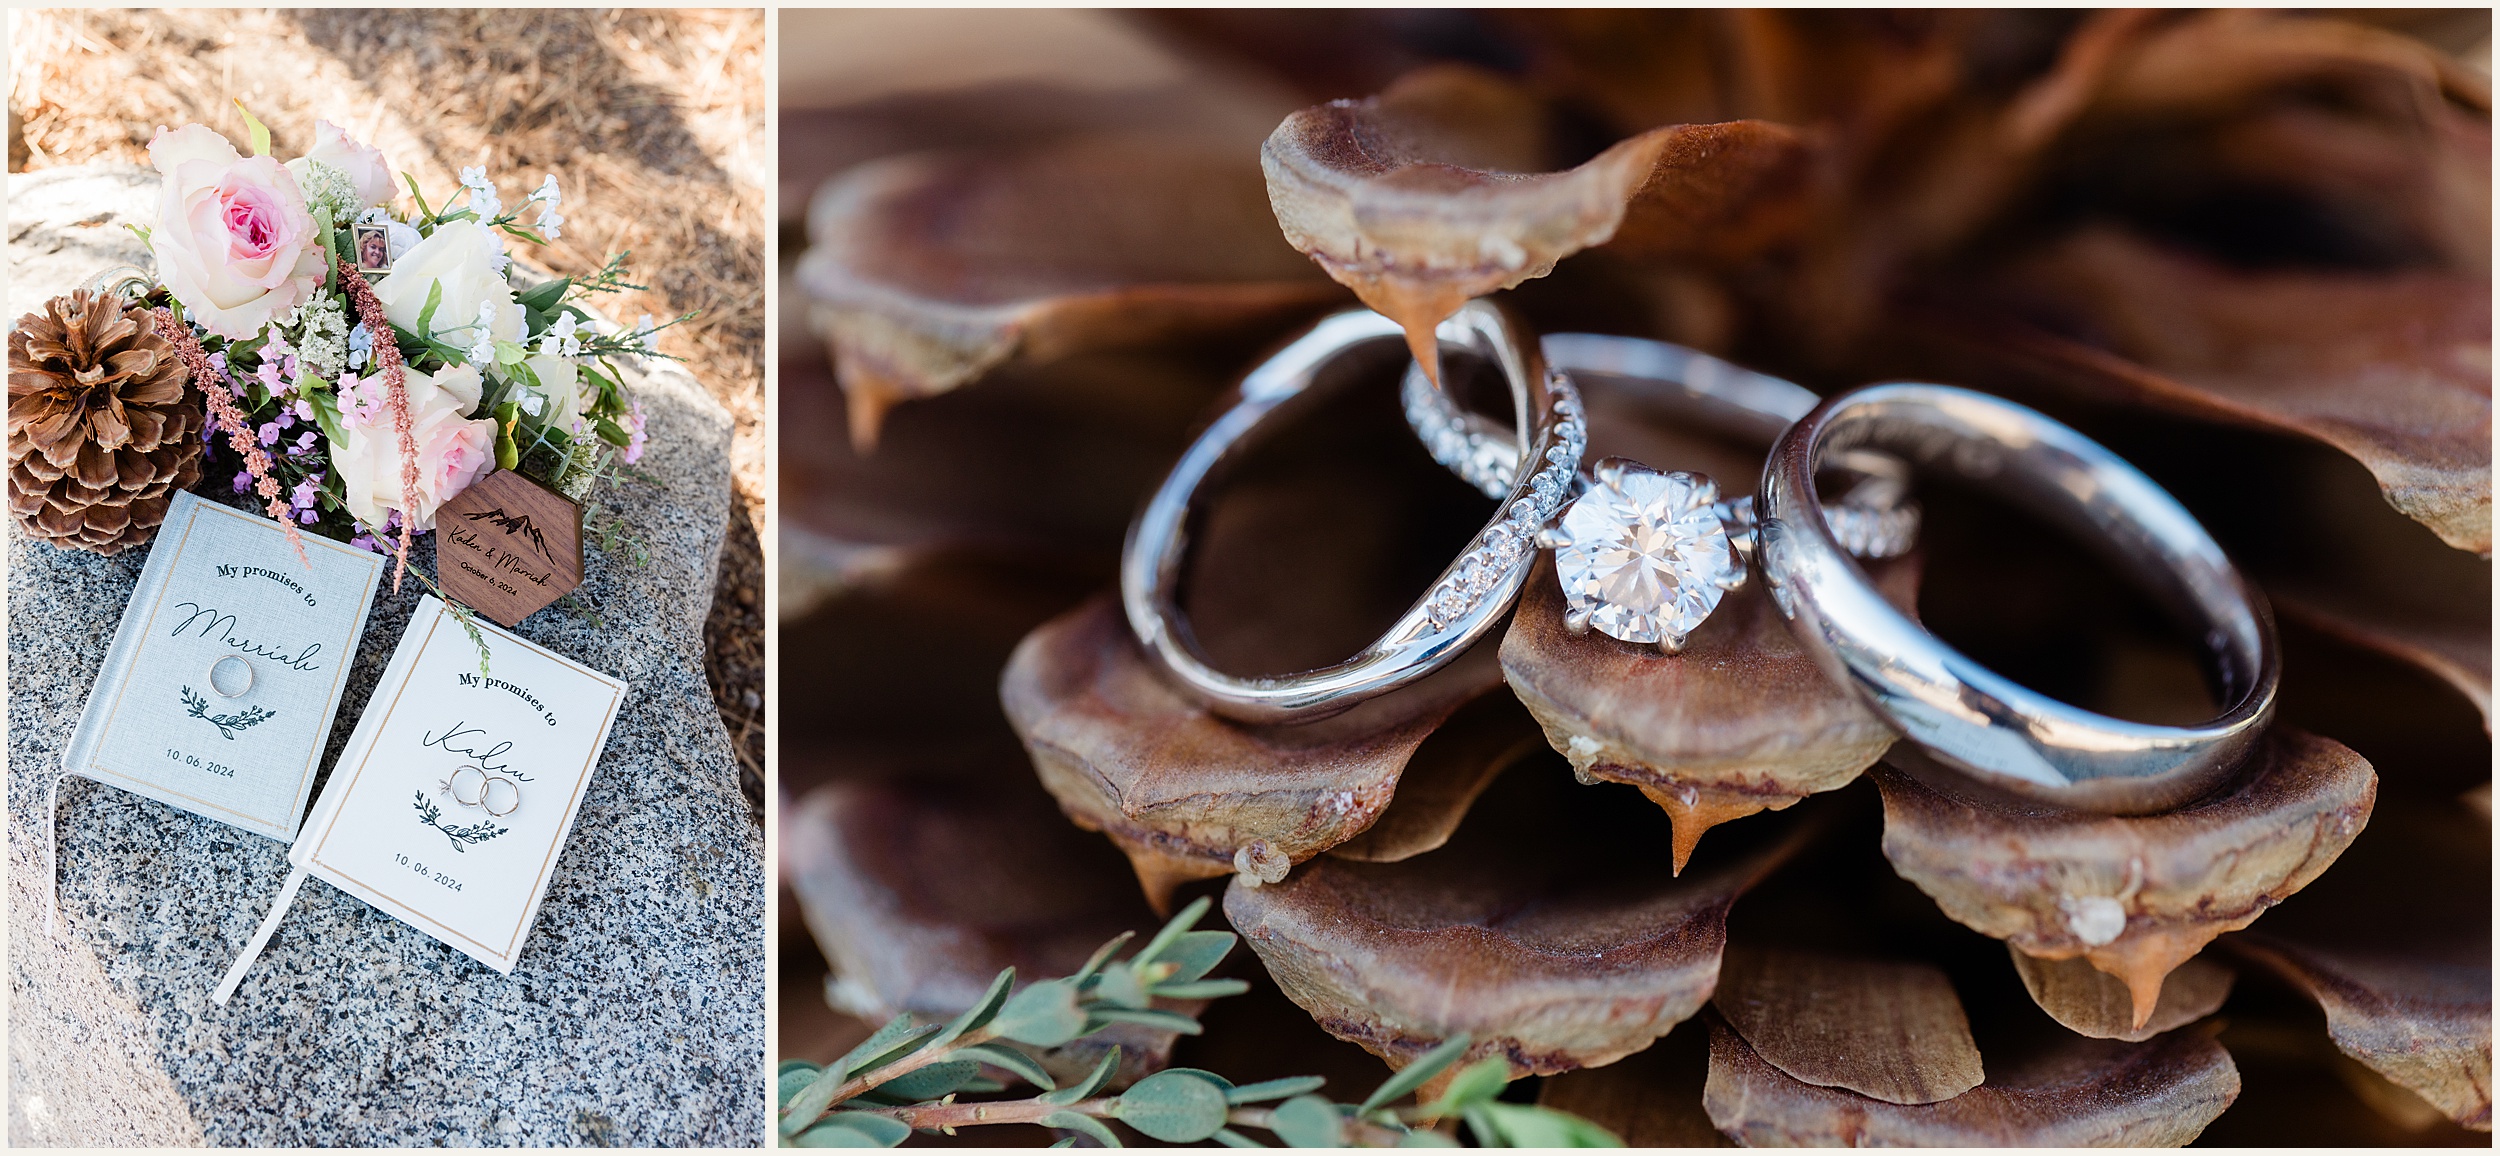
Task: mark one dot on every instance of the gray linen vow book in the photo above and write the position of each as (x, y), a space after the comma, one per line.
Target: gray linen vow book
(221, 583)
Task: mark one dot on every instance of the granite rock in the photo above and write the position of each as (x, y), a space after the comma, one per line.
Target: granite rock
(636, 1013)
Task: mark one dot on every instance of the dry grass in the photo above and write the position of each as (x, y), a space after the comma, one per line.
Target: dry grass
(652, 120)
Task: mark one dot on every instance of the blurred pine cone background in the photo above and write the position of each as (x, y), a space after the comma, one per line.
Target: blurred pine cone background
(2250, 251)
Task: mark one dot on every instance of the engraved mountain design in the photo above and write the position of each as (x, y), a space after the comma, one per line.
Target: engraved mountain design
(513, 524)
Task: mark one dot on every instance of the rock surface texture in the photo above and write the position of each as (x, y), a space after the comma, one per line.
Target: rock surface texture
(636, 1014)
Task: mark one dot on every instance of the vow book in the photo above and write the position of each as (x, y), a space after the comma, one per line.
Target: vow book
(217, 693)
(458, 789)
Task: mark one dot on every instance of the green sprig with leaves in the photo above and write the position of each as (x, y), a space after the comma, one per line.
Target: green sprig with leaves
(910, 1077)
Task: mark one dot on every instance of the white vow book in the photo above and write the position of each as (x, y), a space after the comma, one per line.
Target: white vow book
(457, 790)
(217, 693)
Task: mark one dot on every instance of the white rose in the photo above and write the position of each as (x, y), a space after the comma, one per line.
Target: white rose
(362, 163)
(461, 257)
(452, 451)
(561, 382)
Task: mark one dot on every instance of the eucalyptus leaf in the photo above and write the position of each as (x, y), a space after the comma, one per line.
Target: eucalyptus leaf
(898, 1038)
(1474, 1084)
(1308, 1122)
(980, 1012)
(1119, 987)
(1156, 1018)
(1201, 989)
(1044, 1015)
(1505, 1125)
(1413, 1075)
(931, 1082)
(1176, 1107)
(998, 1056)
(1426, 1138)
(1195, 953)
(834, 1136)
(1080, 1122)
(1092, 1082)
(1266, 1090)
(1231, 1139)
(1180, 922)
(793, 1080)
(1064, 1142)
(883, 1131)
(1102, 955)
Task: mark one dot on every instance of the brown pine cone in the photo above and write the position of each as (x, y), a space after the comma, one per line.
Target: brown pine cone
(103, 426)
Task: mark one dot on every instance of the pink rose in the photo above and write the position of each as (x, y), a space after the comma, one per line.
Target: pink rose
(452, 451)
(233, 239)
(362, 163)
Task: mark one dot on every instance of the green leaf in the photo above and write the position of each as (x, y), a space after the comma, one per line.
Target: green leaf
(506, 353)
(325, 229)
(1275, 1089)
(1092, 1082)
(794, 1079)
(1497, 1124)
(1155, 1018)
(981, 1011)
(422, 210)
(998, 1056)
(1044, 1015)
(1180, 922)
(1119, 986)
(1308, 1122)
(1413, 1075)
(1426, 1138)
(1176, 1107)
(1080, 1122)
(543, 298)
(855, 1130)
(614, 435)
(1064, 1142)
(425, 316)
(1195, 953)
(1231, 1139)
(1102, 955)
(898, 1038)
(810, 1102)
(1202, 989)
(1475, 1084)
(932, 1082)
(325, 406)
(259, 131)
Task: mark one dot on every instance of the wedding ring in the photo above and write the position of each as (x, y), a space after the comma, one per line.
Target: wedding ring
(219, 685)
(1644, 556)
(1465, 602)
(486, 796)
(1966, 716)
(451, 787)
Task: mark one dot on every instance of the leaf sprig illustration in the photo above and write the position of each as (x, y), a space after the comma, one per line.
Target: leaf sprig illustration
(431, 814)
(226, 724)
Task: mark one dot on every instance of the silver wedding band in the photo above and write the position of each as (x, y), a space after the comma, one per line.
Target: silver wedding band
(1465, 602)
(1971, 718)
(249, 677)
(485, 791)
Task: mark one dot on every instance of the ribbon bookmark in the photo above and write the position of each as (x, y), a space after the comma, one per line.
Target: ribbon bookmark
(260, 938)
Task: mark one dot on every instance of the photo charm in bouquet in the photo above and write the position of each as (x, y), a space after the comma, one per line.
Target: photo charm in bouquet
(363, 363)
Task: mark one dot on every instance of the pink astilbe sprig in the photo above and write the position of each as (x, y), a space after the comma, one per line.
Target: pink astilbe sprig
(395, 389)
(238, 427)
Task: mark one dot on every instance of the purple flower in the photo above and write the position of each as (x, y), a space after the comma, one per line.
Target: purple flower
(305, 491)
(362, 542)
(304, 410)
(307, 517)
(286, 421)
(242, 481)
(269, 433)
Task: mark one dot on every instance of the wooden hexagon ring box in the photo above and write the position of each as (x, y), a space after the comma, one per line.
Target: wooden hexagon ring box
(508, 546)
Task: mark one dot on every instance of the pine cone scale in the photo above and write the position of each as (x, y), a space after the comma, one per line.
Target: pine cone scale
(102, 424)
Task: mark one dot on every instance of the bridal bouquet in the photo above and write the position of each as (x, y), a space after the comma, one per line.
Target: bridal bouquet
(362, 360)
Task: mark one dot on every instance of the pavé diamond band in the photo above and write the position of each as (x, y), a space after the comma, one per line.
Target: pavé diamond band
(1644, 556)
(1465, 602)
(1971, 718)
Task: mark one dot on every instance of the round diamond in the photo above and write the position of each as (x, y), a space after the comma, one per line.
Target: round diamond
(1643, 556)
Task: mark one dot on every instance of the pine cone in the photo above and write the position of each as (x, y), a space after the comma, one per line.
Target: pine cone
(103, 426)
